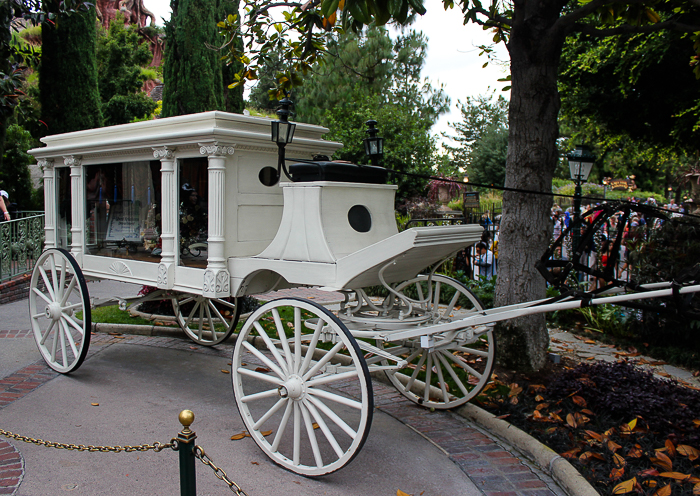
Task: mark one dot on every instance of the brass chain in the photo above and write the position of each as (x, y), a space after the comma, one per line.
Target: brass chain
(220, 474)
(157, 447)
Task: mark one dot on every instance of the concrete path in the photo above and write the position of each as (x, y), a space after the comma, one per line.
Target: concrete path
(141, 383)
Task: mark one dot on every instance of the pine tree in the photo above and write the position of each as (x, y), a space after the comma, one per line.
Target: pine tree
(70, 100)
(232, 97)
(192, 67)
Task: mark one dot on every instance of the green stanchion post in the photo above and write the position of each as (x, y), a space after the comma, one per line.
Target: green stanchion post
(185, 443)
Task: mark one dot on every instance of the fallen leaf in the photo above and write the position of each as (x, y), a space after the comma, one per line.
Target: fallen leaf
(314, 425)
(696, 489)
(255, 463)
(636, 452)
(663, 374)
(595, 436)
(399, 492)
(663, 491)
(675, 475)
(95, 404)
(514, 390)
(587, 411)
(264, 433)
(571, 453)
(225, 371)
(541, 406)
(579, 401)
(688, 451)
(589, 341)
(503, 416)
(239, 436)
(650, 472)
(662, 461)
(650, 483)
(617, 473)
(262, 369)
(670, 448)
(613, 446)
(539, 397)
(625, 487)
(632, 424)
(619, 461)
(571, 421)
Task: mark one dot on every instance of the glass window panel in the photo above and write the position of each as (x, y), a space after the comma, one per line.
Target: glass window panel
(194, 222)
(63, 207)
(123, 210)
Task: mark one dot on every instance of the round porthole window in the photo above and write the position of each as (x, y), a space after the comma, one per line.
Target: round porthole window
(268, 176)
(360, 218)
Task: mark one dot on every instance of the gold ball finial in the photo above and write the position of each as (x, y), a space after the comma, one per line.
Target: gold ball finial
(186, 418)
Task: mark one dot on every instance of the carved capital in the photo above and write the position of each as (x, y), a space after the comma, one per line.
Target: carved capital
(164, 279)
(45, 163)
(164, 153)
(73, 160)
(215, 149)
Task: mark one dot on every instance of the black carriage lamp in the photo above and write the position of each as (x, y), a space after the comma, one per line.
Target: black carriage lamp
(374, 145)
(580, 164)
(283, 132)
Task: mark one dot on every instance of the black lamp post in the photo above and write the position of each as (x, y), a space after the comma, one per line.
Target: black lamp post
(580, 164)
(374, 145)
(282, 132)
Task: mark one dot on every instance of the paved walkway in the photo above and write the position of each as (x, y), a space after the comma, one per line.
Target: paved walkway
(410, 448)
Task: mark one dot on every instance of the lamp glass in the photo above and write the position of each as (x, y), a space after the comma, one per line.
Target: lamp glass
(574, 169)
(373, 147)
(291, 127)
(275, 130)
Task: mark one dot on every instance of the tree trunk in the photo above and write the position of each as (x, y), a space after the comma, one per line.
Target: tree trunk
(526, 228)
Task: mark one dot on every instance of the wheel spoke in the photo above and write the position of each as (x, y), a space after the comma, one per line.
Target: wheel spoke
(297, 339)
(333, 416)
(260, 376)
(47, 284)
(327, 379)
(324, 428)
(73, 323)
(452, 373)
(188, 320)
(265, 360)
(69, 336)
(428, 376)
(283, 425)
(451, 305)
(64, 272)
(312, 436)
(336, 398)
(472, 351)
(273, 349)
(212, 327)
(259, 396)
(441, 379)
(200, 320)
(312, 346)
(47, 332)
(297, 434)
(414, 375)
(261, 421)
(281, 333)
(54, 344)
(69, 291)
(218, 315)
(41, 295)
(62, 334)
(54, 279)
(323, 361)
(464, 365)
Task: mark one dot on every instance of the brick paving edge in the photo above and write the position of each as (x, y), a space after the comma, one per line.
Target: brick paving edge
(544, 457)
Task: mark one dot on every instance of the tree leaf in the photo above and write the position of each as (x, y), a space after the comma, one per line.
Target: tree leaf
(616, 473)
(675, 475)
(579, 401)
(619, 461)
(688, 451)
(696, 489)
(670, 448)
(636, 452)
(613, 446)
(625, 487)
(399, 492)
(571, 421)
(662, 461)
(663, 491)
(595, 436)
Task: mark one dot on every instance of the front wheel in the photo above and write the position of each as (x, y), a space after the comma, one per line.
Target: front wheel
(59, 308)
(302, 386)
(444, 370)
(206, 321)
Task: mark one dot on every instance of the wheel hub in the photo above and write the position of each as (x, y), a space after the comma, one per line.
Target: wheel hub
(53, 311)
(293, 388)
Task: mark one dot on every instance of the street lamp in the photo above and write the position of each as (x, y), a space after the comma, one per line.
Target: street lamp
(282, 132)
(374, 145)
(580, 164)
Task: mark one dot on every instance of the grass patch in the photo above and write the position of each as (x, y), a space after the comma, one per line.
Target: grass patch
(112, 315)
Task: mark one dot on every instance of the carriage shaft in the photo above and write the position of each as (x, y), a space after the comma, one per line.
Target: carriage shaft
(521, 310)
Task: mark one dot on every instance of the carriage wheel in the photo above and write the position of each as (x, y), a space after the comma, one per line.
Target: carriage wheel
(456, 366)
(59, 307)
(206, 321)
(303, 391)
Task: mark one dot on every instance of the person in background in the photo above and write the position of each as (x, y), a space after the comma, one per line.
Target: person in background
(5, 204)
(484, 260)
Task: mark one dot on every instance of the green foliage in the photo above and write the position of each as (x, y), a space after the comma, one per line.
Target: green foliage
(482, 138)
(192, 69)
(14, 174)
(121, 109)
(408, 146)
(259, 97)
(232, 97)
(70, 100)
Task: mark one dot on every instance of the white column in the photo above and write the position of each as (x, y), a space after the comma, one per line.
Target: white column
(77, 190)
(216, 277)
(50, 205)
(168, 216)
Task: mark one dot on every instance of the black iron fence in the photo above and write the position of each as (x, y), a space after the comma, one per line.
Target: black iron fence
(21, 242)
